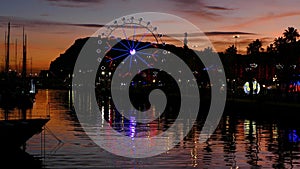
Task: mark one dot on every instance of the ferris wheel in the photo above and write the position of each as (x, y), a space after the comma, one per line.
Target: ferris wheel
(125, 43)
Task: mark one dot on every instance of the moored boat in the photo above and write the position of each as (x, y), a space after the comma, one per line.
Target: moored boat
(15, 133)
(17, 92)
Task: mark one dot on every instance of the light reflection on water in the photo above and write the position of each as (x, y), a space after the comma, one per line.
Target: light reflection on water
(238, 141)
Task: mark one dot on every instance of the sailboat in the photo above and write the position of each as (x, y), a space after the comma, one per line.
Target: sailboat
(15, 89)
(17, 92)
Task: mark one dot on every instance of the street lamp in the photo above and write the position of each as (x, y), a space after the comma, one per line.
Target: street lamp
(235, 42)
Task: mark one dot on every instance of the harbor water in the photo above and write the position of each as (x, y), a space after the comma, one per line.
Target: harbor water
(238, 142)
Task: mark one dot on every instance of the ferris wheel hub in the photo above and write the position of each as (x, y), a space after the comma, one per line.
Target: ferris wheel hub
(132, 51)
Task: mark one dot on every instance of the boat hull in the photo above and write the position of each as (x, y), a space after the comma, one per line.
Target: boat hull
(15, 133)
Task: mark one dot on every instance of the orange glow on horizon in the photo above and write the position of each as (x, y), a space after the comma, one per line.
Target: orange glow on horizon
(42, 48)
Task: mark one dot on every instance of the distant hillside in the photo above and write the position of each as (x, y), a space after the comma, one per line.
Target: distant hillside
(63, 65)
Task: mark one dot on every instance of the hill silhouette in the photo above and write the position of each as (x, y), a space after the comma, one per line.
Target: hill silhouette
(61, 69)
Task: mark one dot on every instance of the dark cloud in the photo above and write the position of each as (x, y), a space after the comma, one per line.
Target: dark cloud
(193, 7)
(199, 8)
(202, 13)
(88, 25)
(17, 22)
(214, 33)
(228, 33)
(20, 22)
(218, 8)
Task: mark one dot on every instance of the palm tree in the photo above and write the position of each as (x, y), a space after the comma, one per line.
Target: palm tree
(291, 34)
(254, 47)
(280, 45)
(278, 42)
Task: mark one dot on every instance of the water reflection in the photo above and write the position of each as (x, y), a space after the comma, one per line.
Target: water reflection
(10, 112)
(239, 141)
(228, 137)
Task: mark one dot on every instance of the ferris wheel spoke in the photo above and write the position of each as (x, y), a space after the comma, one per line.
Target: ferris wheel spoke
(130, 62)
(118, 57)
(122, 50)
(143, 60)
(139, 41)
(124, 45)
(134, 59)
(143, 47)
(108, 47)
(154, 55)
(126, 59)
(134, 27)
(124, 33)
(147, 54)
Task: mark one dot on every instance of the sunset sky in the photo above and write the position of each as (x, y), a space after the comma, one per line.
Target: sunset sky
(53, 25)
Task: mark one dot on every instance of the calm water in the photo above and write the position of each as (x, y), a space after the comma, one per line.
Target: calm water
(238, 141)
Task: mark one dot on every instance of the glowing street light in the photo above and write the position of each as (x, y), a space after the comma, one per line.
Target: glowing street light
(253, 65)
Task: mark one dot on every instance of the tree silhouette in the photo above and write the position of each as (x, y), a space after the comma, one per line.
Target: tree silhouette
(254, 47)
(291, 34)
(271, 49)
(230, 61)
(231, 51)
(279, 44)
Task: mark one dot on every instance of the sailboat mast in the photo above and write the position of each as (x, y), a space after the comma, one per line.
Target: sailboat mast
(16, 55)
(24, 55)
(7, 50)
(31, 66)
